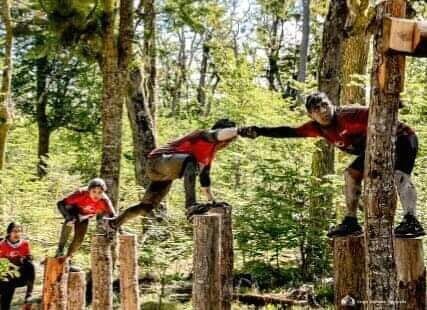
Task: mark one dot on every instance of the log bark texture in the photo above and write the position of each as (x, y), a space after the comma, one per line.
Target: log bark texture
(129, 290)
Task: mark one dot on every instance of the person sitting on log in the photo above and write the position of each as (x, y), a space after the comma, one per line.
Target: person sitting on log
(17, 251)
(346, 128)
(77, 209)
(186, 158)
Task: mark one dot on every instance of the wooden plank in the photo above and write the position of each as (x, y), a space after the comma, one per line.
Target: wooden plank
(398, 34)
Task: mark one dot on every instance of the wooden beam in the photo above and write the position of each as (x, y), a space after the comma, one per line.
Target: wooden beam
(405, 37)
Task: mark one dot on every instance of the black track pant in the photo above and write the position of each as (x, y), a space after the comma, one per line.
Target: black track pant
(7, 287)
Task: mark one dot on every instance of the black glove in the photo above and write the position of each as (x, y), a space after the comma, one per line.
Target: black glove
(248, 132)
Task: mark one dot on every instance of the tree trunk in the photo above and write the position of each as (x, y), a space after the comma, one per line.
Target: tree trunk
(349, 272)
(114, 68)
(411, 273)
(143, 131)
(55, 282)
(201, 89)
(355, 56)
(76, 291)
(379, 191)
(150, 83)
(6, 113)
(102, 275)
(129, 290)
(302, 67)
(323, 157)
(206, 262)
(42, 72)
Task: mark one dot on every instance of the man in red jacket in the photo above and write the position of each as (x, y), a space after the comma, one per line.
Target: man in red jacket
(346, 128)
(77, 209)
(186, 157)
(18, 252)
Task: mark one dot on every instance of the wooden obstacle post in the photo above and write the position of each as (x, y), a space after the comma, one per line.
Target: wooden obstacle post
(226, 256)
(411, 273)
(206, 262)
(349, 272)
(102, 273)
(55, 282)
(128, 263)
(76, 291)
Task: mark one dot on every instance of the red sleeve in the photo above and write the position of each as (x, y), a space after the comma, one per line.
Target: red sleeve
(108, 206)
(3, 253)
(309, 130)
(26, 249)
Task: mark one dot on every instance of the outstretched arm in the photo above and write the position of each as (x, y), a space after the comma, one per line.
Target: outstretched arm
(309, 129)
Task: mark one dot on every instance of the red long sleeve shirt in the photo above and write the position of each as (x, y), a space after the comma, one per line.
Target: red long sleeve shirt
(87, 206)
(14, 252)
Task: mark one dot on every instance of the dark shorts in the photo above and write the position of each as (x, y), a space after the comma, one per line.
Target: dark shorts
(406, 152)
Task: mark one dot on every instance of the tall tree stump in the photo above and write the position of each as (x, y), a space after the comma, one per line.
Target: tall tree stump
(387, 80)
(76, 291)
(226, 255)
(411, 273)
(102, 273)
(55, 282)
(206, 262)
(129, 290)
(349, 272)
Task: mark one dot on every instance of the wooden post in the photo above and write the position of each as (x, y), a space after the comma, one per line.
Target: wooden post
(411, 273)
(128, 262)
(226, 255)
(206, 262)
(349, 272)
(76, 291)
(379, 191)
(55, 282)
(102, 273)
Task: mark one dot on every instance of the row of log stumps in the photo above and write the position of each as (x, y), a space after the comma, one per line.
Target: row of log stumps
(63, 290)
(213, 260)
(350, 276)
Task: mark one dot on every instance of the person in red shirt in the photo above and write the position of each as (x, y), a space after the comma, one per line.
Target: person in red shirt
(346, 128)
(186, 158)
(77, 209)
(18, 252)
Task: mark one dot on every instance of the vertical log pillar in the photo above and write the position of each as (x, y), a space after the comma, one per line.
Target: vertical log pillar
(76, 291)
(128, 262)
(411, 273)
(55, 281)
(349, 272)
(226, 256)
(379, 191)
(102, 273)
(206, 262)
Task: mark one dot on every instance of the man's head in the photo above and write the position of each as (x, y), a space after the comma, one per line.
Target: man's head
(224, 123)
(14, 232)
(96, 188)
(320, 108)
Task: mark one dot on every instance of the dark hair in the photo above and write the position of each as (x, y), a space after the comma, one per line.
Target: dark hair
(97, 182)
(314, 99)
(11, 227)
(223, 123)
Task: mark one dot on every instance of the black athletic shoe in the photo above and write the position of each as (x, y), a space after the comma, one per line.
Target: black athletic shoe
(410, 227)
(349, 226)
(197, 208)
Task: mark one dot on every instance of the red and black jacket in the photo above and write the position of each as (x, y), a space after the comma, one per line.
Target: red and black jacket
(85, 205)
